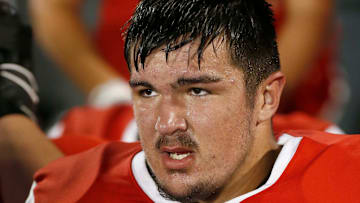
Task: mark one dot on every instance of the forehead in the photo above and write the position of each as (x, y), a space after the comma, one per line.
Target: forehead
(183, 62)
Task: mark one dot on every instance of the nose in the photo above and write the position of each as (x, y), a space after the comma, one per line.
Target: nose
(170, 118)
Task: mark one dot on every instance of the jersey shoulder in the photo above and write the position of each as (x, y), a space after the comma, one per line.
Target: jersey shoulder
(70, 179)
(324, 168)
(325, 138)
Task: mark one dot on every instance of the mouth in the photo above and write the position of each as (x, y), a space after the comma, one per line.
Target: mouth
(177, 158)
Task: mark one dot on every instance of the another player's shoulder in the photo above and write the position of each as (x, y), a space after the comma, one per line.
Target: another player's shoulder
(300, 121)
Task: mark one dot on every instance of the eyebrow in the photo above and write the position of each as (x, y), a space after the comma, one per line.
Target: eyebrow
(180, 82)
(135, 83)
(195, 80)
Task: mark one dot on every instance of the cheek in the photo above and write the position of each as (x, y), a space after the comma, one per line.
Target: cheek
(145, 118)
(219, 121)
(222, 131)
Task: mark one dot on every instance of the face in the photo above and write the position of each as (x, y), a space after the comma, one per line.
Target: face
(194, 123)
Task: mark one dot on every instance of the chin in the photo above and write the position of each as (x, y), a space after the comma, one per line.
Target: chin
(187, 191)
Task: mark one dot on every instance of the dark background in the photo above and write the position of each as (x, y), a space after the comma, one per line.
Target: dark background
(58, 93)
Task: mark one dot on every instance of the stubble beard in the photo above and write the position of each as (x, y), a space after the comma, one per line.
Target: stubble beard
(201, 191)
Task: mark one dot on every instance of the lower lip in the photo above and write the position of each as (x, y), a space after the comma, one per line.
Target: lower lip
(177, 164)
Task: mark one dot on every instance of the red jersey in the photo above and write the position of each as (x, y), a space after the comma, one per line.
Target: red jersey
(85, 127)
(311, 167)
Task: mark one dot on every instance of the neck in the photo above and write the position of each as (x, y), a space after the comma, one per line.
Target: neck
(255, 169)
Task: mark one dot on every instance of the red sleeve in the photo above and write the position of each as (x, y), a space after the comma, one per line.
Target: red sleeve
(298, 121)
(86, 127)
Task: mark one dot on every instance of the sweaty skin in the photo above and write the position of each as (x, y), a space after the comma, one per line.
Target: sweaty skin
(196, 127)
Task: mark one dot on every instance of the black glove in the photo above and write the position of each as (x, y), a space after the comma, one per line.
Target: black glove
(18, 91)
(15, 37)
(18, 87)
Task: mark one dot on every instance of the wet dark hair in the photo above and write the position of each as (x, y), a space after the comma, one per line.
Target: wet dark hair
(246, 25)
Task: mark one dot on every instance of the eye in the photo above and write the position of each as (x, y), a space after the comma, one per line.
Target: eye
(148, 93)
(198, 92)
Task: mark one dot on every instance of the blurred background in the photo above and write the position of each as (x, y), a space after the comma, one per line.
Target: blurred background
(58, 93)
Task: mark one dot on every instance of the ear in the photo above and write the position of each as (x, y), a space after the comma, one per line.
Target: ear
(269, 94)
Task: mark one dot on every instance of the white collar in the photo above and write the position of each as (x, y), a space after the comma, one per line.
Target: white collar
(144, 179)
(147, 184)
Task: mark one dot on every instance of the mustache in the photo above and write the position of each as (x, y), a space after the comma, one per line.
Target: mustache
(182, 139)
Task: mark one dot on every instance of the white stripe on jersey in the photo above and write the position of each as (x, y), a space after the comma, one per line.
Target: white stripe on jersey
(31, 197)
(334, 129)
(130, 133)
